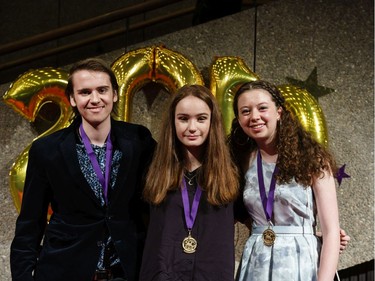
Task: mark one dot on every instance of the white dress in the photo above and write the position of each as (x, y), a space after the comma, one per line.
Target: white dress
(295, 253)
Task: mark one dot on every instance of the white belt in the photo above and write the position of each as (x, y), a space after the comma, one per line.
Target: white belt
(281, 229)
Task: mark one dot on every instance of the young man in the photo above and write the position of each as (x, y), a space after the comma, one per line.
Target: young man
(90, 173)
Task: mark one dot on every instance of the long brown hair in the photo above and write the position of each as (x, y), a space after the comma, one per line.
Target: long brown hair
(218, 175)
(300, 156)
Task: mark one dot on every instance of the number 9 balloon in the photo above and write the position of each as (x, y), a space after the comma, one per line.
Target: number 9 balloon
(229, 73)
(307, 110)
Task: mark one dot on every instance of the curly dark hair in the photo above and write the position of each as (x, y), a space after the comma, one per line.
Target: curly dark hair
(300, 156)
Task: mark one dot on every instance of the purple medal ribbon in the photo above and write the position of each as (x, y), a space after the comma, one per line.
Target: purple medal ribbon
(190, 215)
(267, 202)
(94, 161)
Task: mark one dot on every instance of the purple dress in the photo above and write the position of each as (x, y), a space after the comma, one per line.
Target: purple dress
(164, 258)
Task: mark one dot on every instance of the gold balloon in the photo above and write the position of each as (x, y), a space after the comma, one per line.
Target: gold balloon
(28, 95)
(132, 70)
(227, 75)
(308, 111)
(174, 70)
(157, 64)
(37, 88)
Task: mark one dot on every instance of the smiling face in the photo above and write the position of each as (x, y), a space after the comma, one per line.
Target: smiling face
(93, 96)
(192, 122)
(258, 115)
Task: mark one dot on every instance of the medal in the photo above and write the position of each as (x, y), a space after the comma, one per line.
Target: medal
(269, 236)
(189, 244)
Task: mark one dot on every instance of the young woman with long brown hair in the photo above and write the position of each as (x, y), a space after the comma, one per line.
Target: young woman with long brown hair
(191, 185)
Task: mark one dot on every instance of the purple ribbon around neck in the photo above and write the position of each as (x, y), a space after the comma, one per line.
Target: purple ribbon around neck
(104, 181)
(267, 202)
(190, 215)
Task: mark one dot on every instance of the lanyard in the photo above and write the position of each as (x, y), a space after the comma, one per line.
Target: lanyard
(190, 215)
(267, 202)
(104, 181)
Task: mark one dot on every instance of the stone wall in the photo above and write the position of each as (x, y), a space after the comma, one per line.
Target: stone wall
(292, 39)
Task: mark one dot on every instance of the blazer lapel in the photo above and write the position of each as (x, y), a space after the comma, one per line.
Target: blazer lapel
(125, 166)
(126, 146)
(69, 153)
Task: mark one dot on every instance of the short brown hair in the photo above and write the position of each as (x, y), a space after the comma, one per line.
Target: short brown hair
(90, 64)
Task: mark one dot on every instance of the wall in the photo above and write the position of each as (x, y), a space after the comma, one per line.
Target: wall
(292, 39)
(22, 19)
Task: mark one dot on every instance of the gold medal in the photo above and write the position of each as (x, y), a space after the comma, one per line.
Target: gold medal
(269, 237)
(189, 244)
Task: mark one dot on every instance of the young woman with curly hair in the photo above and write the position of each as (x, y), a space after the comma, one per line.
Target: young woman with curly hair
(288, 187)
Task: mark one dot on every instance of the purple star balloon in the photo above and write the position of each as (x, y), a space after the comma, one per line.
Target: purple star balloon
(341, 174)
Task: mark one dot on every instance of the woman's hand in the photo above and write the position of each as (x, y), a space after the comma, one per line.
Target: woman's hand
(344, 239)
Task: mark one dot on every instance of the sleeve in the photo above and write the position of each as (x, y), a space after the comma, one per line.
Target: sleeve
(150, 146)
(32, 220)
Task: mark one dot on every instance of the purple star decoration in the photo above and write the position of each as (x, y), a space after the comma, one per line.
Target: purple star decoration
(341, 174)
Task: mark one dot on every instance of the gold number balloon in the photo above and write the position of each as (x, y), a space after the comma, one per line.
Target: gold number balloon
(308, 111)
(157, 64)
(28, 95)
(35, 89)
(227, 75)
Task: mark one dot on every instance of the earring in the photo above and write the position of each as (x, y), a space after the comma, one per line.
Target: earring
(279, 122)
